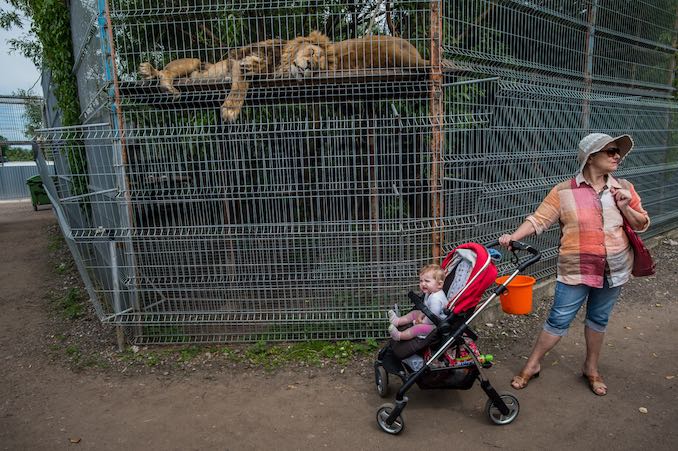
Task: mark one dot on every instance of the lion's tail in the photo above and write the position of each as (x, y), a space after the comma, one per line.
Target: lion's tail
(232, 106)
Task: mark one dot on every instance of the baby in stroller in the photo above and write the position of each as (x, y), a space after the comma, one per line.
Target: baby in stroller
(447, 357)
(431, 280)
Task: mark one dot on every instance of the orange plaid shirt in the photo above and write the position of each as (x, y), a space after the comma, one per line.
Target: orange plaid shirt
(592, 238)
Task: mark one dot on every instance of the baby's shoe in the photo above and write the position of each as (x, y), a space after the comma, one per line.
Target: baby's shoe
(392, 317)
(395, 333)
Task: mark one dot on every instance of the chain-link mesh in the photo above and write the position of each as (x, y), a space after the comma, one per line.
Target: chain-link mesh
(307, 210)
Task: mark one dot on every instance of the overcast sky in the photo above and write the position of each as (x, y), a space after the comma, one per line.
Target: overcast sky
(17, 71)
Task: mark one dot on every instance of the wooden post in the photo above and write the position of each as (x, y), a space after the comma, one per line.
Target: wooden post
(437, 116)
(589, 46)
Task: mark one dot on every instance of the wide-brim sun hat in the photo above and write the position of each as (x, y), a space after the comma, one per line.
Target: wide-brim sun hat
(594, 142)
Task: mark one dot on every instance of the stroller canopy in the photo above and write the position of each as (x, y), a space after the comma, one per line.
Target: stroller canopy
(469, 272)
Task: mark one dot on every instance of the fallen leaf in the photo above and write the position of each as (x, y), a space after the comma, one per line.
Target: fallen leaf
(627, 328)
(642, 410)
(670, 377)
(74, 439)
(654, 354)
(657, 305)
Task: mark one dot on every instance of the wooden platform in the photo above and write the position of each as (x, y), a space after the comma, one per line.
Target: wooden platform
(322, 87)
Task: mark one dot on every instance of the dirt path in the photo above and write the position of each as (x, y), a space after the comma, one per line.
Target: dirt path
(45, 404)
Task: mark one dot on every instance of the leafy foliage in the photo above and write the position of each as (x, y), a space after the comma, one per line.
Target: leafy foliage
(53, 49)
(32, 113)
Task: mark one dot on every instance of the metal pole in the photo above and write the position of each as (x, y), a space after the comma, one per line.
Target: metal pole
(116, 293)
(108, 50)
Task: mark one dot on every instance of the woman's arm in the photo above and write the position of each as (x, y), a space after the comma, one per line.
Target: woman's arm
(544, 216)
(638, 220)
(525, 229)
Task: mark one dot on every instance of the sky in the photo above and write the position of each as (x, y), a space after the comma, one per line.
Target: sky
(17, 72)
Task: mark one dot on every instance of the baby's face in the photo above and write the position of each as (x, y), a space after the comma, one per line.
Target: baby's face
(428, 283)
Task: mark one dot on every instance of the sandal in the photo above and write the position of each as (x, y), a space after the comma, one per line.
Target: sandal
(521, 380)
(596, 384)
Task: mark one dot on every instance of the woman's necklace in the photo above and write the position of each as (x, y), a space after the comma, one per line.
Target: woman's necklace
(599, 186)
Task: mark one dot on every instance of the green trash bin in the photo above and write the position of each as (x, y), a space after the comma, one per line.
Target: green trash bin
(38, 193)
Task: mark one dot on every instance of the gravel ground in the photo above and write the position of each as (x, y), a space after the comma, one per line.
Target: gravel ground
(64, 384)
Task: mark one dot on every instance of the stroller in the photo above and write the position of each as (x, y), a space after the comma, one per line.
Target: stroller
(447, 358)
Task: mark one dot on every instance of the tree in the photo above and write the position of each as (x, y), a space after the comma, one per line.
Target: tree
(8, 153)
(48, 44)
(3, 148)
(32, 112)
(27, 45)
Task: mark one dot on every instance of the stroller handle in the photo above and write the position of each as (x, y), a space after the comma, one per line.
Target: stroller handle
(520, 246)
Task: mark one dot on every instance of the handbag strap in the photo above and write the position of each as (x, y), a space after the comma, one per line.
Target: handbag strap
(626, 185)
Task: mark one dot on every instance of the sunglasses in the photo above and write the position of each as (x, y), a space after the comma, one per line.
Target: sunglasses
(612, 151)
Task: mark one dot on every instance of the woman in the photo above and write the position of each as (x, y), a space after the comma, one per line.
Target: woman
(594, 258)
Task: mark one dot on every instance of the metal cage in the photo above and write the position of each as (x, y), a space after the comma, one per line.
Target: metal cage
(310, 212)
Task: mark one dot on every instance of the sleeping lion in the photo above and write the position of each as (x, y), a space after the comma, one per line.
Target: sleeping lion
(297, 58)
(371, 52)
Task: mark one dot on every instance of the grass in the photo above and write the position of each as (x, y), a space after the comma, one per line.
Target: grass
(261, 353)
(72, 304)
(310, 352)
(55, 241)
(189, 353)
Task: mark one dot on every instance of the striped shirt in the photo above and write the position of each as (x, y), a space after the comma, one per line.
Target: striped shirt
(593, 243)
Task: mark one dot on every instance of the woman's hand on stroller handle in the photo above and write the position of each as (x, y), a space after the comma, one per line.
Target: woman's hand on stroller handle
(514, 246)
(511, 244)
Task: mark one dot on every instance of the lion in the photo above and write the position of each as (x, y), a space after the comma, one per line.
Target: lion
(297, 58)
(258, 58)
(370, 52)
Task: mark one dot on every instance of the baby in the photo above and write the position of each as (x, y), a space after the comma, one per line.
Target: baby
(431, 279)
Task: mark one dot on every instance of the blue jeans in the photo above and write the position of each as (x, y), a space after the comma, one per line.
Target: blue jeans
(569, 298)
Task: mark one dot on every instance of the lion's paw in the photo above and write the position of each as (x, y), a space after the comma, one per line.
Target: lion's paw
(230, 113)
(147, 70)
(166, 84)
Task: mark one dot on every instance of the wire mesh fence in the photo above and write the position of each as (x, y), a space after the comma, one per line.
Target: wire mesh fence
(280, 170)
(19, 117)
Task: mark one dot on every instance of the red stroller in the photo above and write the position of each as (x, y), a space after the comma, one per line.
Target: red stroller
(448, 358)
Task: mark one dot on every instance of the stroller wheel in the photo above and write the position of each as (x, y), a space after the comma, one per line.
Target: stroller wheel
(381, 378)
(383, 413)
(496, 416)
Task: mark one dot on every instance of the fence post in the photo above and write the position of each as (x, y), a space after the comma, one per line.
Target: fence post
(437, 116)
(591, 18)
